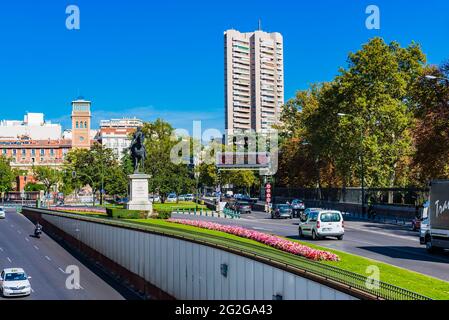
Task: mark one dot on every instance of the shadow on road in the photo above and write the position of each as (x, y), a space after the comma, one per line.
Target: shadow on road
(409, 253)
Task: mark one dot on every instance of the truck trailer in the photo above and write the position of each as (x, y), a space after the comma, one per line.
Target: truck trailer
(436, 218)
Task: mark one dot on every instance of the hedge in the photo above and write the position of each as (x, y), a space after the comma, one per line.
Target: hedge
(121, 213)
(164, 213)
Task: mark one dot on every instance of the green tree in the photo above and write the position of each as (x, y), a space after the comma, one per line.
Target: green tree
(6, 175)
(431, 126)
(166, 176)
(31, 186)
(97, 167)
(375, 93)
(49, 177)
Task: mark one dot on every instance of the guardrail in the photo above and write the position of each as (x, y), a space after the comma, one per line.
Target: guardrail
(329, 275)
(231, 213)
(227, 213)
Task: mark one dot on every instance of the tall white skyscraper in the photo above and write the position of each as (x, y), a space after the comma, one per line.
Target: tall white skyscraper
(254, 80)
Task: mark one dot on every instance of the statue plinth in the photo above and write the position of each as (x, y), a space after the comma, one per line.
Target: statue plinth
(138, 193)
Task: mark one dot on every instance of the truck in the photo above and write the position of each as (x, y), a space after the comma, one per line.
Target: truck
(435, 227)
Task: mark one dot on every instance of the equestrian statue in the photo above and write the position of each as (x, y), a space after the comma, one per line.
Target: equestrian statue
(138, 151)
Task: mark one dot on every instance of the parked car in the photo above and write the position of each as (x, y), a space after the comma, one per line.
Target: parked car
(189, 197)
(172, 197)
(154, 198)
(298, 207)
(281, 211)
(240, 206)
(182, 197)
(2, 213)
(14, 282)
(322, 223)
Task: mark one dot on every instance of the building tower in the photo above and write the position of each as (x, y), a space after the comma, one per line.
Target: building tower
(254, 80)
(81, 118)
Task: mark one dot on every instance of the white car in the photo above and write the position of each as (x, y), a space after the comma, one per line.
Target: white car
(321, 223)
(2, 213)
(172, 197)
(14, 282)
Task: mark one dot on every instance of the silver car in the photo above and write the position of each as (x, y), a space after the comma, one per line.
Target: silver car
(2, 213)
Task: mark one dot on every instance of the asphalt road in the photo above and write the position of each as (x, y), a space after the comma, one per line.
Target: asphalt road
(396, 245)
(46, 262)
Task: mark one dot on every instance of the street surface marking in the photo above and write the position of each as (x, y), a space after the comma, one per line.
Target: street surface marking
(48, 258)
(28, 240)
(32, 290)
(19, 232)
(1, 249)
(36, 247)
(60, 269)
(10, 261)
(383, 233)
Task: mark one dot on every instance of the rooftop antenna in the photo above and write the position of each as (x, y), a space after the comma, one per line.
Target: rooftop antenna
(260, 25)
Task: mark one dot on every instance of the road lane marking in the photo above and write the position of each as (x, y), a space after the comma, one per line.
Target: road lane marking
(36, 247)
(12, 226)
(48, 258)
(262, 229)
(10, 261)
(28, 240)
(19, 232)
(60, 269)
(383, 233)
(32, 290)
(1, 249)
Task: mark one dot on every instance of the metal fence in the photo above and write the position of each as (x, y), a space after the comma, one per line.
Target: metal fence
(377, 196)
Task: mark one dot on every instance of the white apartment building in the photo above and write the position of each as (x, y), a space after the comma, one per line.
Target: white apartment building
(33, 126)
(254, 80)
(115, 133)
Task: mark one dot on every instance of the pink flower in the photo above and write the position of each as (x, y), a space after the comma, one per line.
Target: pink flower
(273, 241)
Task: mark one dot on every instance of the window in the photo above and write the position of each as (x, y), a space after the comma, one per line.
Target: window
(52, 152)
(330, 217)
(77, 125)
(33, 152)
(42, 152)
(14, 152)
(4, 152)
(24, 152)
(85, 124)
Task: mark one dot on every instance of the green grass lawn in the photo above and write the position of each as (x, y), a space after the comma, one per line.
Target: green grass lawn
(416, 282)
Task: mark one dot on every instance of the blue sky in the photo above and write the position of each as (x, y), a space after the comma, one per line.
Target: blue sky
(141, 58)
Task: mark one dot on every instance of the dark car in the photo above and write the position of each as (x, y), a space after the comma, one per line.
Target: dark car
(240, 206)
(298, 207)
(281, 211)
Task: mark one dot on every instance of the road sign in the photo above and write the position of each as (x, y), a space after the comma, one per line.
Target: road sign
(268, 193)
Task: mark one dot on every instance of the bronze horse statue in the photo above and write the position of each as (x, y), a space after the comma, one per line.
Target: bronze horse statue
(138, 151)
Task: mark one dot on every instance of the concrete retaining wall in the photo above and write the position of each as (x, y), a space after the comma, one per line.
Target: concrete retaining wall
(185, 270)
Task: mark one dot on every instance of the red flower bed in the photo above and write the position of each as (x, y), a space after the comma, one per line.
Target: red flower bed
(271, 240)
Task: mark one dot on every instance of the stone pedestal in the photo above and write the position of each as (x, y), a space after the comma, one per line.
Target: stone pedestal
(138, 193)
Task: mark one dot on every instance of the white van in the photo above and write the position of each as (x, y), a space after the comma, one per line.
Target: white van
(322, 223)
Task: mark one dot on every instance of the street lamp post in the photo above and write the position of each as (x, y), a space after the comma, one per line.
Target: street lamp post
(430, 77)
(362, 161)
